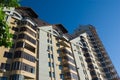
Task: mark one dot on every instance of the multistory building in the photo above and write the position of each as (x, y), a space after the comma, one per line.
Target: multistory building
(91, 54)
(43, 51)
(20, 61)
(56, 54)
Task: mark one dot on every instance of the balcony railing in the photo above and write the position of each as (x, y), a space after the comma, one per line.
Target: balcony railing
(64, 43)
(28, 30)
(25, 36)
(27, 23)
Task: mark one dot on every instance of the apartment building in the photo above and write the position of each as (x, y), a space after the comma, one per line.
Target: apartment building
(20, 61)
(57, 61)
(91, 54)
(43, 51)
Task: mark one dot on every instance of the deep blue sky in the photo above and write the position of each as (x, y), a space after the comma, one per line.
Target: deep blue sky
(103, 14)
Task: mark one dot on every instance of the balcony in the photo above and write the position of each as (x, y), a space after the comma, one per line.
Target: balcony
(26, 37)
(64, 52)
(30, 48)
(93, 73)
(28, 30)
(67, 76)
(28, 24)
(108, 62)
(65, 69)
(89, 60)
(21, 44)
(87, 55)
(64, 43)
(84, 50)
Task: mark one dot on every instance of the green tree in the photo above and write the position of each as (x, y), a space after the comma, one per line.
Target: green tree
(5, 35)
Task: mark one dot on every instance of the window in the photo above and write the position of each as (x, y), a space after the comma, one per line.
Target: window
(5, 66)
(14, 36)
(3, 78)
(51, 48)
(47, 34)
(93, 73)
(15, 29)
(59, 59)
(8, 54)
(106, 70)
(16, 77)
(54, 74)
(30, 48)
(51, 41)
(53, 65)
(50, 75)
(48, 47)
(19, 44)
(57, 44)
(24, 36)
(58, 51)
(28, 30)
(49, 64)
(22, 66)
(60, 67)
(61, 76)
(20, 54)
(32, 70)
(48, 55)
(52, 56)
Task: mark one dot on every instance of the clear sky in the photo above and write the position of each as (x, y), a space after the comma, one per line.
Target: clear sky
(103, 14)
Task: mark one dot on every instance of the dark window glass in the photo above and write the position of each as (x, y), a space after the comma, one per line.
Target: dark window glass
(52, 56)
(57, 44)
(92, 73)
(22, 66)
(16, 77)
(48, 47)
(25, 36)
(103, 64)
(48, 55)
(60, 67)
(49, 64)
(61, 76)
(19, 44)
(108, 75)
(8, 54)
(20, 54)
(59, 59)
(3, 78)
(53, 65)
(15, 29)
(50, 74)
(30, 48)
(95, 78)
(58, 51)
(14, 36)
(54, 74)
(5, 66)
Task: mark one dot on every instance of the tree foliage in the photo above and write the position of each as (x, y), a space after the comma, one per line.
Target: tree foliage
(5, 35)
